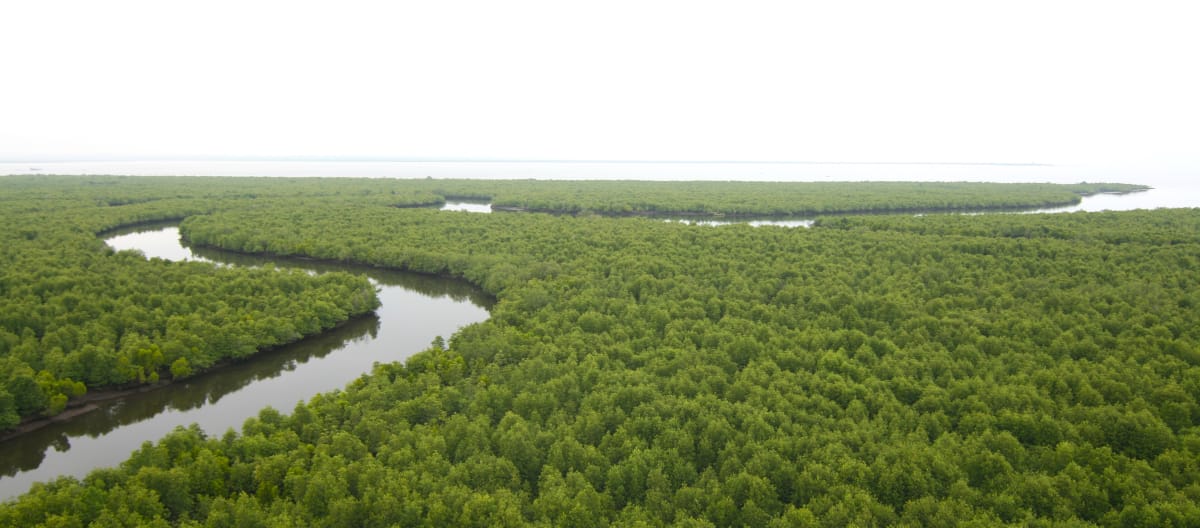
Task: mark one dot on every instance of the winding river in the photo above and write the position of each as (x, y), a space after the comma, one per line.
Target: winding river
(415, 310)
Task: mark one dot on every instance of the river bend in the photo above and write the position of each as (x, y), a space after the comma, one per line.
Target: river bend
(415, 309)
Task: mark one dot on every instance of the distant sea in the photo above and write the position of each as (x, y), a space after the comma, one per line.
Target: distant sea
(1170, 188)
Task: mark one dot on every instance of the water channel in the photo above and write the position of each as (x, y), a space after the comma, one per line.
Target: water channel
(1148, 199)
(415, 310)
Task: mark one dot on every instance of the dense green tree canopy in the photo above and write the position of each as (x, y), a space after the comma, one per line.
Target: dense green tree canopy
(1033, 370)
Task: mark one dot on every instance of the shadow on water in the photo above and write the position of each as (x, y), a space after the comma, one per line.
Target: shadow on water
(145, 227)
(26, 452)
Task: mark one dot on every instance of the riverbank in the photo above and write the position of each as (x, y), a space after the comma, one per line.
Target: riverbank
(758, 200)
(729, 217)
(343, 265)
(90, 401)
(414, 310)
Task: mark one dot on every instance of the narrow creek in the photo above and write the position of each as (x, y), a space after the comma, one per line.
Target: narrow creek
(415, 310)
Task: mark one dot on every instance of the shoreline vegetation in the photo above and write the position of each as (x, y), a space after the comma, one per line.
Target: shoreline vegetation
(873, 370)
(766, 199)
(88, 402)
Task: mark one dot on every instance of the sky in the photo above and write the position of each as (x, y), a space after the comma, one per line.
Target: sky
(1055, 82)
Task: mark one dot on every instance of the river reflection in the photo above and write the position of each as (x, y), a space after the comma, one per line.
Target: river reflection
(415, 309)
(21, 453)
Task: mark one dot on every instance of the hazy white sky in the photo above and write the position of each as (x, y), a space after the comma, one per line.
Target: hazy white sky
(957, 81)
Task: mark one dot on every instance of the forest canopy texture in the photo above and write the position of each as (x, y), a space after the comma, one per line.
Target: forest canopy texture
(942, 370)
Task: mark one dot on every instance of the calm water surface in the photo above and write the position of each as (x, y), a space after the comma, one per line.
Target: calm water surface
(415, 309)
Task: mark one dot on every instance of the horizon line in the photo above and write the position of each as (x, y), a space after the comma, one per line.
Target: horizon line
(388, 159)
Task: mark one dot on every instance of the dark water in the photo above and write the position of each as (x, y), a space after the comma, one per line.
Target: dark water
(415, 309)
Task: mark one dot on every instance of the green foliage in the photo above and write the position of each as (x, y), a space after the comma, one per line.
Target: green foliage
(8, 411)
(1028, 370)
(180, 368)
